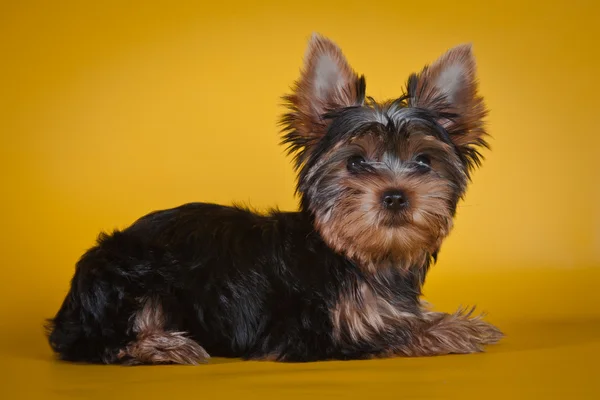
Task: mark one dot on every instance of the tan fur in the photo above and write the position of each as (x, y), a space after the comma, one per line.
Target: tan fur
(361, 315)
(154, 345)
(308, 101)
(356, 226)
(463, 99)
(361, 229)
(459, 333)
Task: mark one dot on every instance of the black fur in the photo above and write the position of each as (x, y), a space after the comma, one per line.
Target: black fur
(241, 284)
(352, 122)
(270, 286)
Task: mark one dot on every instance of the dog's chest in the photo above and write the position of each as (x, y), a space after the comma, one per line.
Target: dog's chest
(362, 314)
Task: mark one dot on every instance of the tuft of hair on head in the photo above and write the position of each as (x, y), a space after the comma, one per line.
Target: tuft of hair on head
(449, 89)
(327, 83)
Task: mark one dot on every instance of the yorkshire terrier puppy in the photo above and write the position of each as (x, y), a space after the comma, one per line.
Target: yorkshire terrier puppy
(340, 279)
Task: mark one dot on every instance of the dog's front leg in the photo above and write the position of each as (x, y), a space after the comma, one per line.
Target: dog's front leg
(367, 324)
(437, 333)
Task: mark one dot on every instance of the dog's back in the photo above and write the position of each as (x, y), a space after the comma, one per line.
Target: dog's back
(238, 282)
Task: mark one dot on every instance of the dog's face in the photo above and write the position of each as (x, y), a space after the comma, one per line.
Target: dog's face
(383, 180)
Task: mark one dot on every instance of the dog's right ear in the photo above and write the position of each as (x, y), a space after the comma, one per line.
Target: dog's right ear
(327, 82)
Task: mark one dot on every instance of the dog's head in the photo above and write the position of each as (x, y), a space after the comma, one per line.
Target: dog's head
(382, 180)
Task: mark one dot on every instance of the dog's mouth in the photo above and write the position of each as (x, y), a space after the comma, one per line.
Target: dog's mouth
(396, 219)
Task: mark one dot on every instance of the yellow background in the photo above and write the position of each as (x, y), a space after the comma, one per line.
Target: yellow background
(112, 109)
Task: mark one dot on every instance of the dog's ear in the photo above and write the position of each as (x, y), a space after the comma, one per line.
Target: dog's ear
(449, 88)
(326, 83)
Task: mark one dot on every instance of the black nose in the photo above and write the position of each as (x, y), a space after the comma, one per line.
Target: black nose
(394, 200)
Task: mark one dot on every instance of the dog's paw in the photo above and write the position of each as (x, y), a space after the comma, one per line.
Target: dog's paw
(457, 333)
(164, 348)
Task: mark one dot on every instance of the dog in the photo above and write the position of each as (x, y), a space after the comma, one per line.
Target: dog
(341, 278)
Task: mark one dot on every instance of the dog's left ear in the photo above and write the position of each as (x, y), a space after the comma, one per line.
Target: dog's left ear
(448, 87)
(327, 82)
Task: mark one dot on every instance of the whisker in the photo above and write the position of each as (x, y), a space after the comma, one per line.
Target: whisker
(438, 195)
(432, 214)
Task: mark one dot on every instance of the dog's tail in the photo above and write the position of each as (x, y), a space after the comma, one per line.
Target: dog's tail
(94, 321)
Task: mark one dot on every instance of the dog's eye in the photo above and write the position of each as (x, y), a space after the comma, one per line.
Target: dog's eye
(356, 163)
(423, 161)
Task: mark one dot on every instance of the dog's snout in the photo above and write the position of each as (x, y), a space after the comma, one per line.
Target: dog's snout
(395, 200)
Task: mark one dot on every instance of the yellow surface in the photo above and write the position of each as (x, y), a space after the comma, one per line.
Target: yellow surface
(111, 109)
(551, 351)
